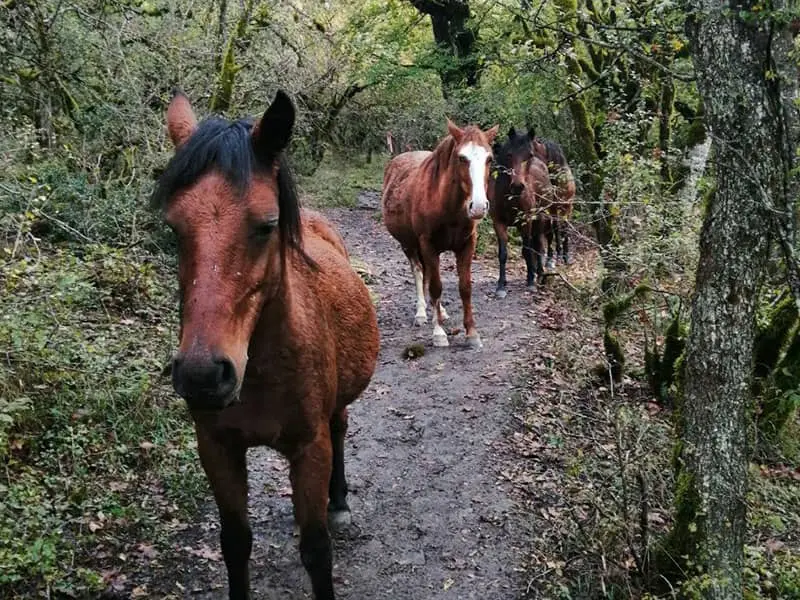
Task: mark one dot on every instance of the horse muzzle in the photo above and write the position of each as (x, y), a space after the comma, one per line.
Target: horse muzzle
(206, 383)
(477, 210)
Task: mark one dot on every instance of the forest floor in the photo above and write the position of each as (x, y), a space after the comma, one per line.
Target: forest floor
(429, 455)
(507, 473)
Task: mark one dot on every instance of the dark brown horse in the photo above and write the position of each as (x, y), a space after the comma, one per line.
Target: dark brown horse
(277, 332)
(432, 202)
(564, 196)
(520, 193)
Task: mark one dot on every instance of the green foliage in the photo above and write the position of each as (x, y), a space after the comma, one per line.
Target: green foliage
(86, 430)
(340, 179)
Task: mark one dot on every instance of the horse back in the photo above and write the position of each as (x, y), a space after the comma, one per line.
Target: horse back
(401, 191)
(315, 224)
(337, 308)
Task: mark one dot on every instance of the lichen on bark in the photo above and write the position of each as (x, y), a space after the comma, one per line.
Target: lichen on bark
(733, 52)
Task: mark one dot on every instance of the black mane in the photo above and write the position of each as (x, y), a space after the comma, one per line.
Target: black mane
(225, 146)
(555, 153)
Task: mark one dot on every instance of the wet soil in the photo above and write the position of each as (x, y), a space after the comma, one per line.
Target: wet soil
(432, 515)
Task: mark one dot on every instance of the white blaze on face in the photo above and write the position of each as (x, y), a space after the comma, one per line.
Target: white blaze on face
(476, 156)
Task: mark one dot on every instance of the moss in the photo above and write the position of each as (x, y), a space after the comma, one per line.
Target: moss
(777, 372)
(674, 345)
(614, 355)
(414, 351)
(671, 558)
(652, 361)
(771, 336)
(221, 100)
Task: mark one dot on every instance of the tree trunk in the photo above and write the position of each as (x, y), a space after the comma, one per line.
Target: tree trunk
(223, 93)
(753, 127)
(456, 39)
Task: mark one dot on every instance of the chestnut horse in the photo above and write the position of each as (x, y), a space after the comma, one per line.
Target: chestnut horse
(432, 202)
(520, 193)
(564, 196)
(277, 332)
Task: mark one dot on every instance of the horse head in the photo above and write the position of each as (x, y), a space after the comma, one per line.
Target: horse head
(473, 147)
(228, 195)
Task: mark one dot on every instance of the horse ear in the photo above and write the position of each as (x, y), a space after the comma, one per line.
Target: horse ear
(181, 121)
(531, 132)
(492, 133)
(271, 134)
(455, 131)
(511, 133)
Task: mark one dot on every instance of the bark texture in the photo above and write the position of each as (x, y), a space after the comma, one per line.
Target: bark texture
(738, 56)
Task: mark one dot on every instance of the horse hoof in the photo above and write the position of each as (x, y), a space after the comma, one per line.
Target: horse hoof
(445, 316)
(474, 341)
(531, 285)
(420, 320)
(551, 265)
(440, 340)
(501, 293)
(339, 519)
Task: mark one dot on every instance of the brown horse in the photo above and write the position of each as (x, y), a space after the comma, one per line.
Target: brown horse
(564, 196)
(520, 193)
(277, 332)
(432, 202)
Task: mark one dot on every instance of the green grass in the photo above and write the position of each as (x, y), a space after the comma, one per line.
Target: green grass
(95, 448)
(338, 180)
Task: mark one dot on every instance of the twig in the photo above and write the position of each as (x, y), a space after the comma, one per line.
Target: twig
(66, 227)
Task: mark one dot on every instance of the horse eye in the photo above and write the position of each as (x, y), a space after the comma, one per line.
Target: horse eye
(263, 229)
(463, 158)
(489, 159)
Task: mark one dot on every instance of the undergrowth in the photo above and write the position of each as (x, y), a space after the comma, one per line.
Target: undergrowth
(600, 494)
(339, 179)
(96, 450)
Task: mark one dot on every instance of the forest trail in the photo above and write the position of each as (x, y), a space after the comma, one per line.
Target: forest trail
(432, 517)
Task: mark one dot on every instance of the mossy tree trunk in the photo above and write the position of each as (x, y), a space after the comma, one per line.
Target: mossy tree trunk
(223, 93)
(735, 51)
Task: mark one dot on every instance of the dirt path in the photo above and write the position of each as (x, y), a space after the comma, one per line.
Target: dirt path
(432, 518)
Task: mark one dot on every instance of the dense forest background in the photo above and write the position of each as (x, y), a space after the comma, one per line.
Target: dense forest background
(95, 448)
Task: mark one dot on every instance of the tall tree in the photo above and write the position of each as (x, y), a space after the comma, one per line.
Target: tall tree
(456, 39)
(740, 50)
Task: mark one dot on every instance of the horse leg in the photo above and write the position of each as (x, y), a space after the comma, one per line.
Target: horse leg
(421, 317)
(565, 242)
(528, 252)
(464, 266)
(338, 511)
(226, 469)
(310, 474)
(431, 261)
(549, 223)
(540, 240)
(502, 254)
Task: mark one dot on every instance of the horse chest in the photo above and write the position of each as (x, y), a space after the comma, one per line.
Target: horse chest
(452, 236)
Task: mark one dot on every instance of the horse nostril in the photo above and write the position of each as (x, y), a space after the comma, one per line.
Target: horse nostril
(177, 379)
(226, 376)
(205, 383)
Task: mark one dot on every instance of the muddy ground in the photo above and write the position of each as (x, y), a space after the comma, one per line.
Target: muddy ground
(433, 516)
